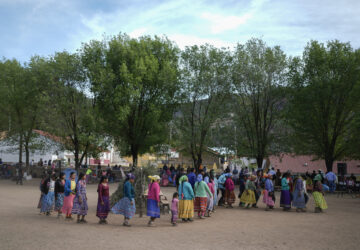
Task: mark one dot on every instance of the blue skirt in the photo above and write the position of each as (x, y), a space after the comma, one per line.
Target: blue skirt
(59, 202)
(125, 208)
(298, 201)
(153, 210)
(285, 199)
(47, 202)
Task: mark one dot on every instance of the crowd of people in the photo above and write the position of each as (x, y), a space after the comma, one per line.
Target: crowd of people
(196, 194)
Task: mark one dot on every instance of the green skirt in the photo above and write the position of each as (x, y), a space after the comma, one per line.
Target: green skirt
(319, 200)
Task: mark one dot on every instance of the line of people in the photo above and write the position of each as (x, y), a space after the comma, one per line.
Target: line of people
(68, 196)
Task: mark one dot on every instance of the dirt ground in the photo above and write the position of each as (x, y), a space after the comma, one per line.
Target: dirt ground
(21, 226)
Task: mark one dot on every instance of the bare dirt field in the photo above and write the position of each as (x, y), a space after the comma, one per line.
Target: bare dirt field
(21, 226)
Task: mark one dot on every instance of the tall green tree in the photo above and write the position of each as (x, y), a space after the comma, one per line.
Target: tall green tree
(23, 99)
(259, 75)
(72, 110)
(134, 82)
(205, 82)
(325, 100)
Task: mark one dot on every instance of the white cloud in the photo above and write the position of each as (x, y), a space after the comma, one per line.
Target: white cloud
(138, 32)
(220, 23)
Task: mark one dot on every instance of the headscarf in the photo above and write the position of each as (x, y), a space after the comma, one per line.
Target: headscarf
(228, 175)
(154, 177)
(206, 179)
(183, 178)
(130, 176)
(199, 178)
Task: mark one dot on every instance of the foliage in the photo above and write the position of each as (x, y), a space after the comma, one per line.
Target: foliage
(325, 100)
(134, 82)
(73, 115)
(205, 87)
(258, 75)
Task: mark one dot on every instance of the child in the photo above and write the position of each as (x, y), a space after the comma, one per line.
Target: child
(174, 208)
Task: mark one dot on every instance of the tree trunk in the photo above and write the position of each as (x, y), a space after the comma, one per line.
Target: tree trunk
(329, 163)
(259, 160)
(20, 148)
(27, 160)
(134, 154)
(198, 162)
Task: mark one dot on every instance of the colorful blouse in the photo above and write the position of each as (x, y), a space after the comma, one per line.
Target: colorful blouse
(154, 191)
(103, 191)
(129, 190)
(201, 189)
(285, 184)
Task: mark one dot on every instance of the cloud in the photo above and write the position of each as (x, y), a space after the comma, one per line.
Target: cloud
(221, 23)
(138, 32)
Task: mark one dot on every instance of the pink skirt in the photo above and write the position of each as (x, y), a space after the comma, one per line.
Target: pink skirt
(268, 199)
(68, 204)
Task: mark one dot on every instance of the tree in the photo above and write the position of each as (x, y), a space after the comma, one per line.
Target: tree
(205, 86)
(72, 113)
(325, 100)
(134, 82)
(258, 74)
(23, 96)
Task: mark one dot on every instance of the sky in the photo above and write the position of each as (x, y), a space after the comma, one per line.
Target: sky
(43, 27)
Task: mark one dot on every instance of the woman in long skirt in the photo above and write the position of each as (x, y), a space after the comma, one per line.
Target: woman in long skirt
(229, 191)
(214, 180)
(298, 195)
(80, 201)
(269, 197)
(59, 193)
(103, 206)
(186, 199)
(285, 198)
(248, 196)
(69, 195)
(43, 178)
(201, 192)
(320, 203)
(126, 206)
(49, 195)
(153, 199)
(210, 200)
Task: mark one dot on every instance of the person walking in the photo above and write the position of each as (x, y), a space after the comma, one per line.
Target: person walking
(320, 203)
(210, 200)
(59, 194)
(269, 196)
(248, 196)
(192, 177)
(80, 201)
(126, 205)
(174, 209)
(103, 205)
(186, 199)
(201, 191)
(69, 195)
(285, 198)
(221, 185)
(229, 191)
(299, 195)
(153, 199)
(49, 196)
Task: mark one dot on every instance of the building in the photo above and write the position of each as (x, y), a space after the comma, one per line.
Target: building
(304, 163)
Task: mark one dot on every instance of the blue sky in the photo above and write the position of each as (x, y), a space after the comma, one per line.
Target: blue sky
(41, 27)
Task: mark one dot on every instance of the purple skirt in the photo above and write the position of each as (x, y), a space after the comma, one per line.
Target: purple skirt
(103, 210)
(80, 208)
(285, 199)
(153, 209)
(125, 208)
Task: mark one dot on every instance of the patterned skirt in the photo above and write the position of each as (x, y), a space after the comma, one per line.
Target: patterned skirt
(59, 201)
(68, 204)
(248, 197)
(200, 204)
(319, 200)
(267, 199)
(186, 209)
(47, 203)
(102, 211)
(298, 201)
(229, 197)
(153, 209)
(80, 208)
(125, 208)
(285, 199)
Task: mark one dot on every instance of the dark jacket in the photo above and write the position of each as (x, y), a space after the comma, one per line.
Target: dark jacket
(45, 186)
(59, 187)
